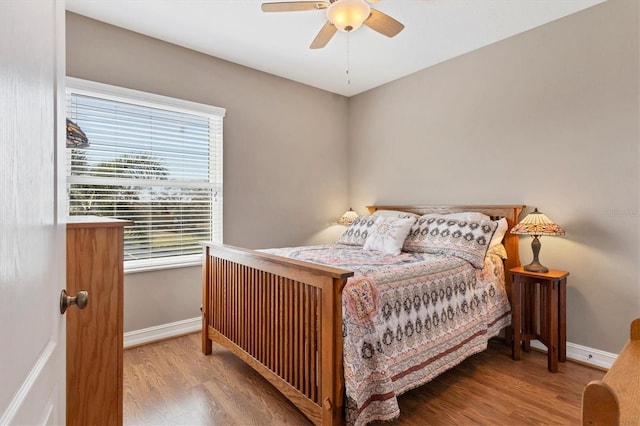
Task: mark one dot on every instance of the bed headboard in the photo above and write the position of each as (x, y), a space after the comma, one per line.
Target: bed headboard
(509, 212)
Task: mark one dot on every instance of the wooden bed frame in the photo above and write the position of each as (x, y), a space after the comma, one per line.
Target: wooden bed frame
(283, 317)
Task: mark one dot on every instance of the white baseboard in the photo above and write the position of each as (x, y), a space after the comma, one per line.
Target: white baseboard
(161, 332)
(583, 354)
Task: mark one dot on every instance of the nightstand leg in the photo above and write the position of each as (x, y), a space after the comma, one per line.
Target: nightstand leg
(562, 320)
(516, 316)
(552, 313)
(529, 314)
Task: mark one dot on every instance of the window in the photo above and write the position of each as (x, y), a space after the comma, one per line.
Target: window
(151, 159)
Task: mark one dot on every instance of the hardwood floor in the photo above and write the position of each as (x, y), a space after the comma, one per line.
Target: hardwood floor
(173, 383)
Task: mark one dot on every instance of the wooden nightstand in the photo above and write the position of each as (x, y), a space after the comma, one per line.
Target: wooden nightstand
(538, 311)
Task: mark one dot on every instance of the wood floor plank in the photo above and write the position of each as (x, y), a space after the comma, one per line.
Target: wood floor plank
(173, 383)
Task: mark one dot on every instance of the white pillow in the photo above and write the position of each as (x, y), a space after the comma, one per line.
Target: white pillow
(498, 250)
(471, 216)
(500, 231)
(395, 213)
(468, 216)
(388, 234)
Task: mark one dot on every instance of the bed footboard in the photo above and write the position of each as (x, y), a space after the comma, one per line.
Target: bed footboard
(282, 317)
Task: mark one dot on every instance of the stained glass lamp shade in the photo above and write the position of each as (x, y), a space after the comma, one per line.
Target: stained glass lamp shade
(536, 224)
(348, 217)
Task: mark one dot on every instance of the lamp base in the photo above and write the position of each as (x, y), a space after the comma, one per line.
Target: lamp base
(535, 266)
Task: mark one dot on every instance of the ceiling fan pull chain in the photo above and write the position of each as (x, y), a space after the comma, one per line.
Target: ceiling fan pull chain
(348, 64)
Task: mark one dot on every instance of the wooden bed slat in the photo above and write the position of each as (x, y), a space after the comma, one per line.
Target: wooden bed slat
(273, 325)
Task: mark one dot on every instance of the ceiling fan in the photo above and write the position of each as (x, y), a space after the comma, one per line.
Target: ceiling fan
(342, 15)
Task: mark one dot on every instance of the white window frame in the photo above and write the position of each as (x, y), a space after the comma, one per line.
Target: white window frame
(120, 94)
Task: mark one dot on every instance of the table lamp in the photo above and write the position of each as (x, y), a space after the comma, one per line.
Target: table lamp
(536, 224)
(348, 217)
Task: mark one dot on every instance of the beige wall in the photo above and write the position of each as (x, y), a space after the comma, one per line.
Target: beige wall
(161, 297)
(548, 118)
(284, 168)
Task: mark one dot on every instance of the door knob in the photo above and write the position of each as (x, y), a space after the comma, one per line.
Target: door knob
(81, 299)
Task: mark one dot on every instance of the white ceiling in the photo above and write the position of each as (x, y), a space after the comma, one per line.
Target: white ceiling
(278, 43)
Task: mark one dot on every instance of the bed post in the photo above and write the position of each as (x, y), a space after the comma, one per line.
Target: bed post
(512, 242)
(332, 363)
(206, 268)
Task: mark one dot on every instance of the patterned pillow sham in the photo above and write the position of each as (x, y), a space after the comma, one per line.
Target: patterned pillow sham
(465, 239)
(498, 235)
(388, 234)
(357, 233)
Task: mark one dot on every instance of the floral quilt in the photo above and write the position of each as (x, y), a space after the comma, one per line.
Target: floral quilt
(407, 318)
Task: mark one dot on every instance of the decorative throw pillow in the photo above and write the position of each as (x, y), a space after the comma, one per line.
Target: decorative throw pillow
(357, 233)
(468, 240)
(388, 234)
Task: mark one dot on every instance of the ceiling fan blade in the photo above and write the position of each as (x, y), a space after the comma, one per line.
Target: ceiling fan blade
(294, 6)
(384, 24)
(323, 37)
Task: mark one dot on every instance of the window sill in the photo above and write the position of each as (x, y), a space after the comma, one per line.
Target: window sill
(137, 266)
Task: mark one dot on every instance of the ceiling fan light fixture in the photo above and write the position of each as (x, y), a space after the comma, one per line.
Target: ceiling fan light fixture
(348, 15)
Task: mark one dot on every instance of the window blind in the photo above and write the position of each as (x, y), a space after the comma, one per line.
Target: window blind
(153, 160)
